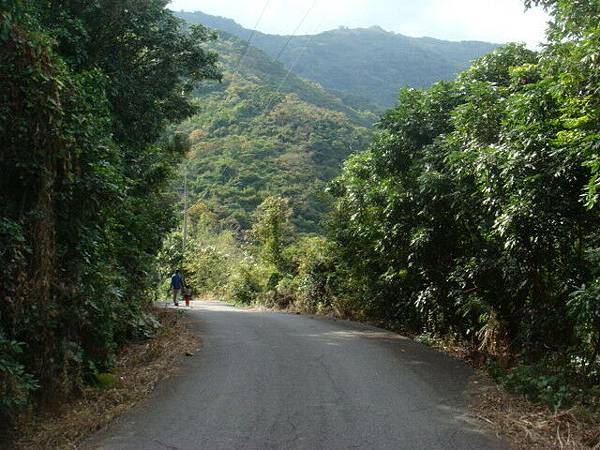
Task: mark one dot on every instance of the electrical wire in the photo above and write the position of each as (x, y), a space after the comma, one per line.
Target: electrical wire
(249, 41)
(300, 54)
(295, 30)
(296, 60)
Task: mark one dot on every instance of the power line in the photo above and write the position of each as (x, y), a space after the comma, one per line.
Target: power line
(296, 29)
(293, 65)
(262, 13)
(289, 71)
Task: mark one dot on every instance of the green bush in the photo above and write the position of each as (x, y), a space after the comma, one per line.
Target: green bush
(16, 384)
(314, 272)
(282, 292)
(427, 339)
(246, 282)
(584, 309)
(106, 381)
(84, 171)
(206, 269)
(550, 385)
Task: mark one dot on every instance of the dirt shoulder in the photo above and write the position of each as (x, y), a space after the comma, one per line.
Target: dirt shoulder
(524, 424)
(140, 366)
(531, 426)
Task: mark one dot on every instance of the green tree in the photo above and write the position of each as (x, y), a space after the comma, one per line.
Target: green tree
(272, 230)
(570, 63)
(474, 210)
(86, 90)
(466, 214)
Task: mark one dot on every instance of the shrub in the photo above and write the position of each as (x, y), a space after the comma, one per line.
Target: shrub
(283, 294)
(16, 384)
(314, 270)
(551, 386)
(206, 269)
(245, 285)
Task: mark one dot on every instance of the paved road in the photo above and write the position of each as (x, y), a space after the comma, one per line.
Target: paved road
(267, 380)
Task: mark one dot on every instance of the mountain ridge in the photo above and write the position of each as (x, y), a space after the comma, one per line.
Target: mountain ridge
(230, 24)
(369, 63)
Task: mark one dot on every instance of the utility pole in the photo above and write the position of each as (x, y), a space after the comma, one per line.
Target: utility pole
(185, 207)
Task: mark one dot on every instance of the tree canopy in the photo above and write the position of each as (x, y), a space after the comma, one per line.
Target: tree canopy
(87, 89)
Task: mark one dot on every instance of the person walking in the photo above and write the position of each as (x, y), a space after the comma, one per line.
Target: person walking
(177, 285)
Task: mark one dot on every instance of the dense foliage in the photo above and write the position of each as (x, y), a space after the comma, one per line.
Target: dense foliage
(475, 210)
(86, 90)
(474, 214)
(365, 65)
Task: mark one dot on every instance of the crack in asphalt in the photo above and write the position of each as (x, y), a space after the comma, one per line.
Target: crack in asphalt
(267, 380)
(167, 446)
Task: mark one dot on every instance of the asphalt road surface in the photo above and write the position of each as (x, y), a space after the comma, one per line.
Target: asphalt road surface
(266, 380)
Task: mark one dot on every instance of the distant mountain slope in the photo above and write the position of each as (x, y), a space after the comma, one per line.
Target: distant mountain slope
(254, 136)
(262, 70)
(367, 62)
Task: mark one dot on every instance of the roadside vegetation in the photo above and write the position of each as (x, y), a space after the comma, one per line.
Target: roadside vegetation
(470, 215)
(137, 369)
(473, 215)
(86, 91)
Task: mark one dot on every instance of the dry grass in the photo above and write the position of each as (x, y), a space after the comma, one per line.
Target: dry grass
(527, 425)
(522, 423)
(139, 367)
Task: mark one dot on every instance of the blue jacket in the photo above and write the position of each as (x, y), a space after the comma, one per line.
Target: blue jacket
(177, 281)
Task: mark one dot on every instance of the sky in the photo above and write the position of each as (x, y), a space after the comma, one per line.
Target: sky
(497, 21)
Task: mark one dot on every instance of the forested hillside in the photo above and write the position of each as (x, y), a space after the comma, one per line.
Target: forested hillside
(264, 131)
(368, 63)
